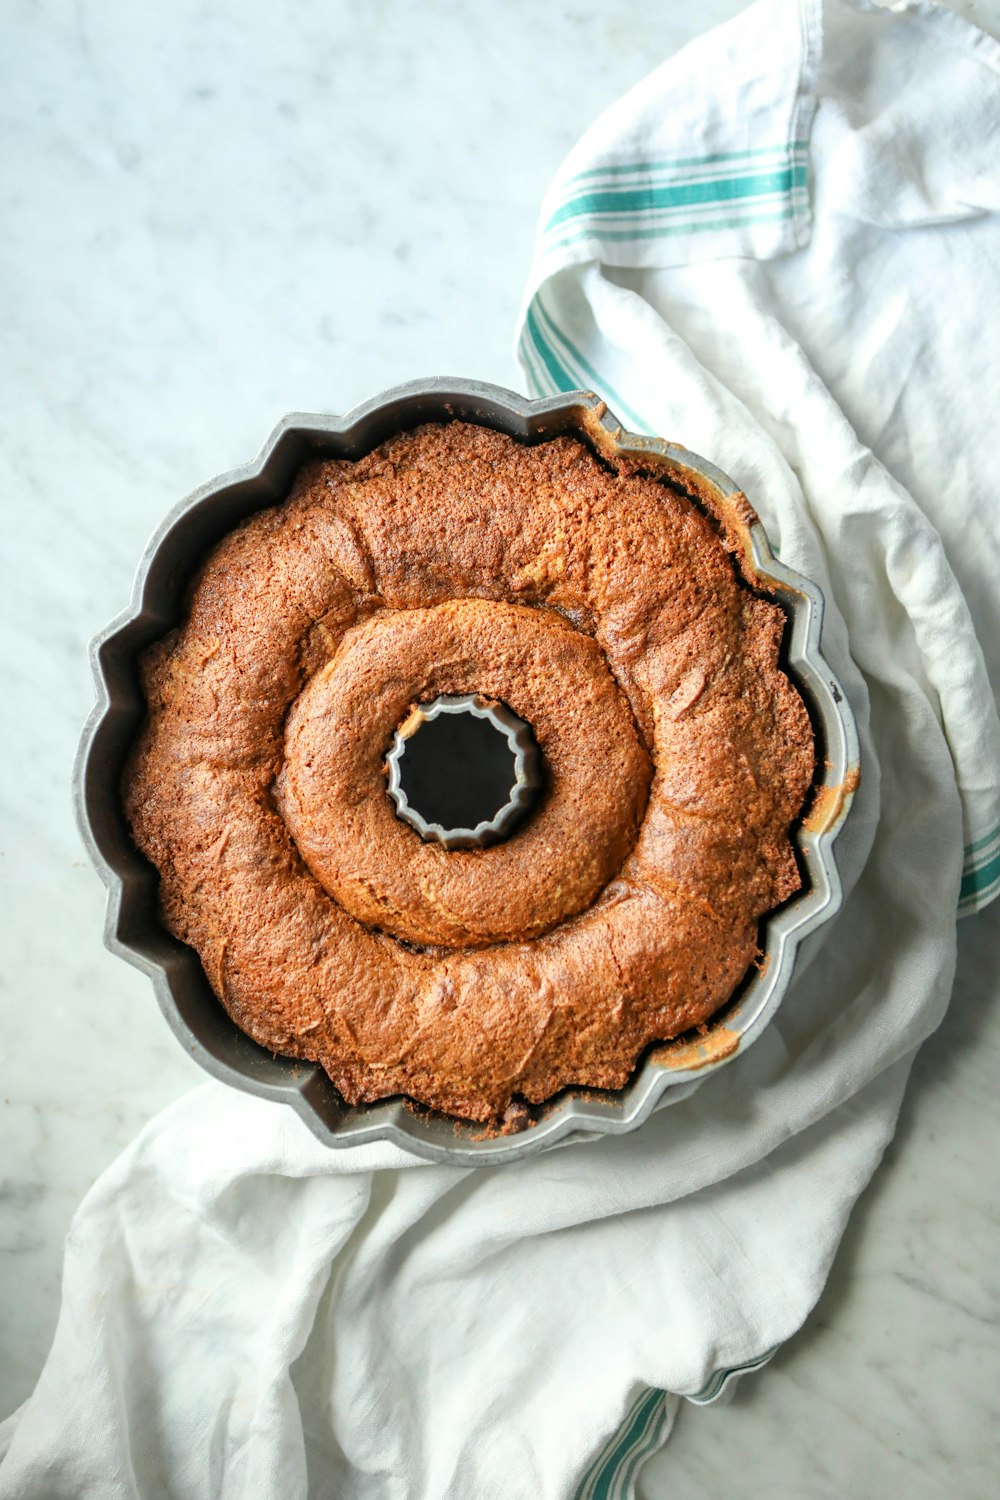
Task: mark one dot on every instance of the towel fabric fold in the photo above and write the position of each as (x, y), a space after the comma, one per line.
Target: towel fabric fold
(782, 251)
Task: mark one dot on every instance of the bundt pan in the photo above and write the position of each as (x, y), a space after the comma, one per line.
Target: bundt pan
(133, 928)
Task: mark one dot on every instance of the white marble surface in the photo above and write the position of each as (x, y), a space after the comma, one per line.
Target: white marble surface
(216, 213)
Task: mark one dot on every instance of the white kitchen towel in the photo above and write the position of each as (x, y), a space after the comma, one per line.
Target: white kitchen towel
(781, 250)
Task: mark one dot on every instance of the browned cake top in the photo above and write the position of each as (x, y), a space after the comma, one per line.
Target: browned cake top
(603, 608)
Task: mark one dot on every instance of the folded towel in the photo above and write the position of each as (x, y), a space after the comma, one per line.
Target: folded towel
(785, 261)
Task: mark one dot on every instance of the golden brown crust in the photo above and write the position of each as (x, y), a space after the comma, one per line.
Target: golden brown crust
(604, 609)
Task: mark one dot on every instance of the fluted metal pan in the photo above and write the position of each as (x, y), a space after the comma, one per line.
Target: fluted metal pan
(133, 927)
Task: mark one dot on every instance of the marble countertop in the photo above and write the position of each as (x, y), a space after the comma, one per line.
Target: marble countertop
(217, 213)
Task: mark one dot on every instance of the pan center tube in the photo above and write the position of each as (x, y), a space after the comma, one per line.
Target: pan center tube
(463, 771)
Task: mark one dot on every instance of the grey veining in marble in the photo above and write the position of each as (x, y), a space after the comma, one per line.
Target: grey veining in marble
(216, 213)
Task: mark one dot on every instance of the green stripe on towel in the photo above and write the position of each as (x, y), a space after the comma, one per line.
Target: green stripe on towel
(616, 1464)
(976, 883)
(980, 872)
(643, 200)
(576, 368)
(612, 1474)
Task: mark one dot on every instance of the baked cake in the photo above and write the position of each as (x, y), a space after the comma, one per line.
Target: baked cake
(601, 605)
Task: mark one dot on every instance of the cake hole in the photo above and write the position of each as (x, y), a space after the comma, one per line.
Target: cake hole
(463, 771)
